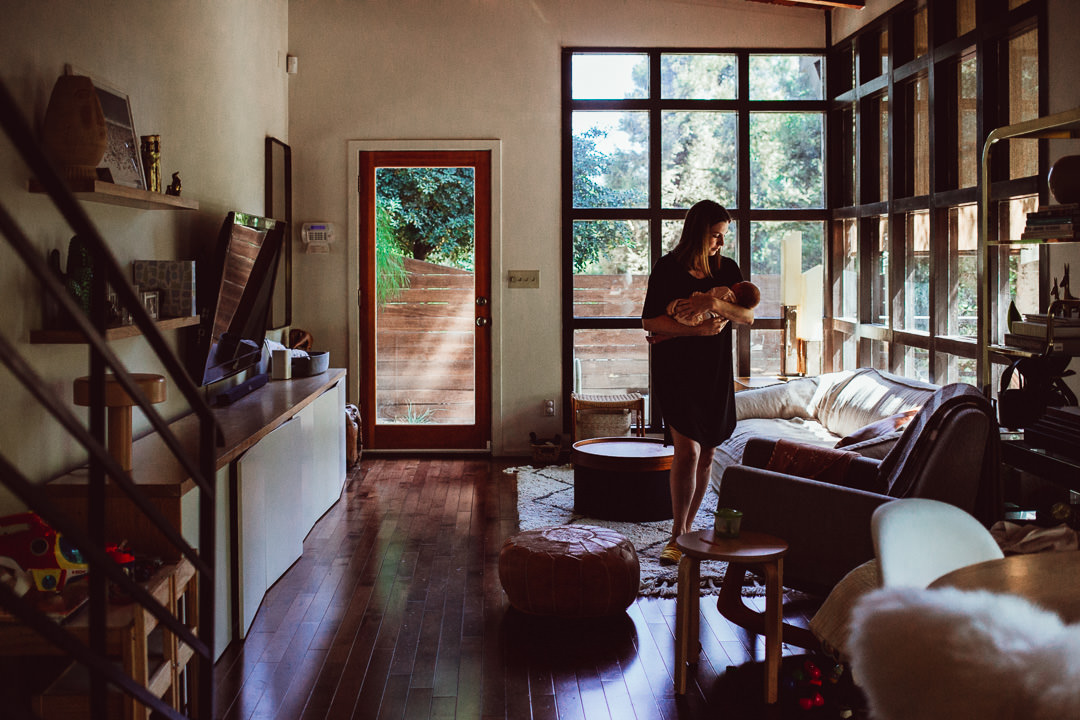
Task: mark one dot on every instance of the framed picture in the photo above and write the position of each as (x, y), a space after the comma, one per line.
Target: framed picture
(150, 303)
(123, 157)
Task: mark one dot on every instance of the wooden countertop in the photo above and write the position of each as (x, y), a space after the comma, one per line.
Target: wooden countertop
(243, 424)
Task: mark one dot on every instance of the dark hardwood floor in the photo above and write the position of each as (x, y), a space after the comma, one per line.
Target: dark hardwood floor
(395, 611)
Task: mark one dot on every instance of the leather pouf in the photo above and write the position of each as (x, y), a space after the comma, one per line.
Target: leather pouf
(570, 571)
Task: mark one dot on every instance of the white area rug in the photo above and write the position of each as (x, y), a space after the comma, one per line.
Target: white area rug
(546, 498)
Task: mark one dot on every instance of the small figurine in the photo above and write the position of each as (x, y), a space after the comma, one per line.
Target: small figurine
(174, 186)
(1054, 292)
(1065, 294)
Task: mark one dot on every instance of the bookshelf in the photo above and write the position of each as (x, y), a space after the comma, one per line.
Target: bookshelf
(1063, 125)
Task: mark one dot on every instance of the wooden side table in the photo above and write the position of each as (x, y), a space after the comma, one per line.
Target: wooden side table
(750, 548)
(157, 661)
(622, 478)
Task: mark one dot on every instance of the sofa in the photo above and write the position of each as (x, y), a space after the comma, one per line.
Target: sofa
(864, 410)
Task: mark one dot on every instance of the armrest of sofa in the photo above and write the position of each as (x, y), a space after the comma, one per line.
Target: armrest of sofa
(861, 474)
(827, 527)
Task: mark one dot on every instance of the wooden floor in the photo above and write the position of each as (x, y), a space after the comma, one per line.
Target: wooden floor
(395, 611)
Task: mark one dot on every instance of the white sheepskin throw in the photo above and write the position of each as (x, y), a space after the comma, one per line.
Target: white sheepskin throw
(948, 654)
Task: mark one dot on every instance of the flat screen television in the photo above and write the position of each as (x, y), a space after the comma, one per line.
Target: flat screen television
(234, 297)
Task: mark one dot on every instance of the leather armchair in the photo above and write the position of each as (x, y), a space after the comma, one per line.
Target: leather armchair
(949, 452)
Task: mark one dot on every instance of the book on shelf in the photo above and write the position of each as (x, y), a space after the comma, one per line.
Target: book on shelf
(1043, 318)
(1039, 220)
(1039, 329)
(1059, 209)
(1049, 232)
(1068, 346)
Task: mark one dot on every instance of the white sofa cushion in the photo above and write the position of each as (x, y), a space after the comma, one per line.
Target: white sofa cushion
(847, 400)
(796, 429)
(784, 400)
(867, 396)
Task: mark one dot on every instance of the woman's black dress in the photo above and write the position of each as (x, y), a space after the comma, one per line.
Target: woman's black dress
(692, 375)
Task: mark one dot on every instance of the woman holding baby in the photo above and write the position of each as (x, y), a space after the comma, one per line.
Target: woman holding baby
(690, 305)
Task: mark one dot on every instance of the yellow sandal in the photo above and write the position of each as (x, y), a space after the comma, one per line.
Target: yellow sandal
(671, 554)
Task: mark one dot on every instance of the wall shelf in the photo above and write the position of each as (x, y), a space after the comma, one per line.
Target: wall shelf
(1060, 125)
(112, 194)
(75, 337)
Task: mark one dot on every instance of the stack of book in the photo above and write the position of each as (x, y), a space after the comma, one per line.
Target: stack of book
(1036, 333)
(1053, 222)
(1057, 431)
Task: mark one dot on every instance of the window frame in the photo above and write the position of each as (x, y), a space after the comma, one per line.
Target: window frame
(655, 214)
(856, 82)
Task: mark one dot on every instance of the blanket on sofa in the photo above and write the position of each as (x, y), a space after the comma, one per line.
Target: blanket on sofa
(810, 461)
(904, 463)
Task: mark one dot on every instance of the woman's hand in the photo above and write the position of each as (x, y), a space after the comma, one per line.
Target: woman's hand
(712, 326)
(696, 304)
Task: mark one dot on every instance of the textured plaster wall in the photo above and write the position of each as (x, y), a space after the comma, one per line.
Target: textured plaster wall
(209, 77)
(475, 69)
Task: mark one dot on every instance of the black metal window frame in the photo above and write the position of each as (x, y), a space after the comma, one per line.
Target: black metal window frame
(854, 86)
(655, 214)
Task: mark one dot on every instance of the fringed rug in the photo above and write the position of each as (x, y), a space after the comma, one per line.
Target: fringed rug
(546, 498)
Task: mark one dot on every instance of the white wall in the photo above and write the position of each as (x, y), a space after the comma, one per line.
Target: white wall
(475, 69)
(208, 77)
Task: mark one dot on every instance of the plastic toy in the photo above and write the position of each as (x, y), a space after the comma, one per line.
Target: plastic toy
(40, 551)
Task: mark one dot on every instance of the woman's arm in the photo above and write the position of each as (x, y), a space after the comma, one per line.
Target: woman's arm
(667, 325)
(707, 303)
(733, 312)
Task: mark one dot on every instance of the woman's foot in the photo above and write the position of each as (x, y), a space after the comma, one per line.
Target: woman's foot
(671, 554)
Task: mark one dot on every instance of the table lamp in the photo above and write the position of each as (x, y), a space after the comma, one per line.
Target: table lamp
(791, 292)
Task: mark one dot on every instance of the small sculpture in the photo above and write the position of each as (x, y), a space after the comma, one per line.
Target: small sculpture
(1065, 294)
(1054, 292)
(174, 186)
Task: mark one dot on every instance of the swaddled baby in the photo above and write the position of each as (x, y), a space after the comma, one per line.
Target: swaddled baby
(745, 294)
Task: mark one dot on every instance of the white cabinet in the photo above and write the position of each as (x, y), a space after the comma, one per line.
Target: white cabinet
(324, 473)
(285, 482)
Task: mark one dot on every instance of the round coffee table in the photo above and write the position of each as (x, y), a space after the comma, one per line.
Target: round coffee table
(622, 478)
(749, 548)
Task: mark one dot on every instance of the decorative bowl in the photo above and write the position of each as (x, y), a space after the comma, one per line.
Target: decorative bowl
(316, 362)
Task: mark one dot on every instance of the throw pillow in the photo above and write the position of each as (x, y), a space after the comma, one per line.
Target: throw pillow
(881, 427)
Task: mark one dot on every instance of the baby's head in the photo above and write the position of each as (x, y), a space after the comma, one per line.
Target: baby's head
(747, 294)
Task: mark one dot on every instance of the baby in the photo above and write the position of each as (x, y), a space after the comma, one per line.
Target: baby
(745, 294)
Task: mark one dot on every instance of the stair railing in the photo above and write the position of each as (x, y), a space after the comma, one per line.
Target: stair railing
(102, 467)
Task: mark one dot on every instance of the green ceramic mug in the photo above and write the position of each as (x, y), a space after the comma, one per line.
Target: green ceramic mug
(727, 522)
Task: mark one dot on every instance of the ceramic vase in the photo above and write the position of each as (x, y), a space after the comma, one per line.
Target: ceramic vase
(1064, 179)
(74, 133)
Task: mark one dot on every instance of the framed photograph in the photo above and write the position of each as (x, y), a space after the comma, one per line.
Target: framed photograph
(123, 157)
(150, 303)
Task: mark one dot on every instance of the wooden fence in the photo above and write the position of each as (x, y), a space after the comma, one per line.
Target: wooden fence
(425, 357)
(425, 370)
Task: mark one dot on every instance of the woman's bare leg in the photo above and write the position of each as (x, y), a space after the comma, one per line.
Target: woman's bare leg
(703, 473)
(685, 469)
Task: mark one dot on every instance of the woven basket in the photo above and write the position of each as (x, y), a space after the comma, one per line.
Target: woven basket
(603, 423)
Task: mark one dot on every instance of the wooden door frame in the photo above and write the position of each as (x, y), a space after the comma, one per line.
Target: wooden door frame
(356, 258)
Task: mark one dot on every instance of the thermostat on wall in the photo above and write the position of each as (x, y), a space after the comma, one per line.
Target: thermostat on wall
(317, 237)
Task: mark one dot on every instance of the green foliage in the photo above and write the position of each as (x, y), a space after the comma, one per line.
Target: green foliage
(390, 274)
(430, 212)
(594, 241)
(416, 417)
(698, 150)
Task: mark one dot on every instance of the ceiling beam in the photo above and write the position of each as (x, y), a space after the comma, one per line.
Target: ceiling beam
(848, 4)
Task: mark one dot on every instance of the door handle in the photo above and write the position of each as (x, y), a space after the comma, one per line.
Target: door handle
(481, 301)
(481, 321)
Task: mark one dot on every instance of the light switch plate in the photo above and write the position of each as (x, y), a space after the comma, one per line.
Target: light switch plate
(523, 279)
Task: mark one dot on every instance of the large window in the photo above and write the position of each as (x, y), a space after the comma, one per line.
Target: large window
(648, 133)
(914, 94)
